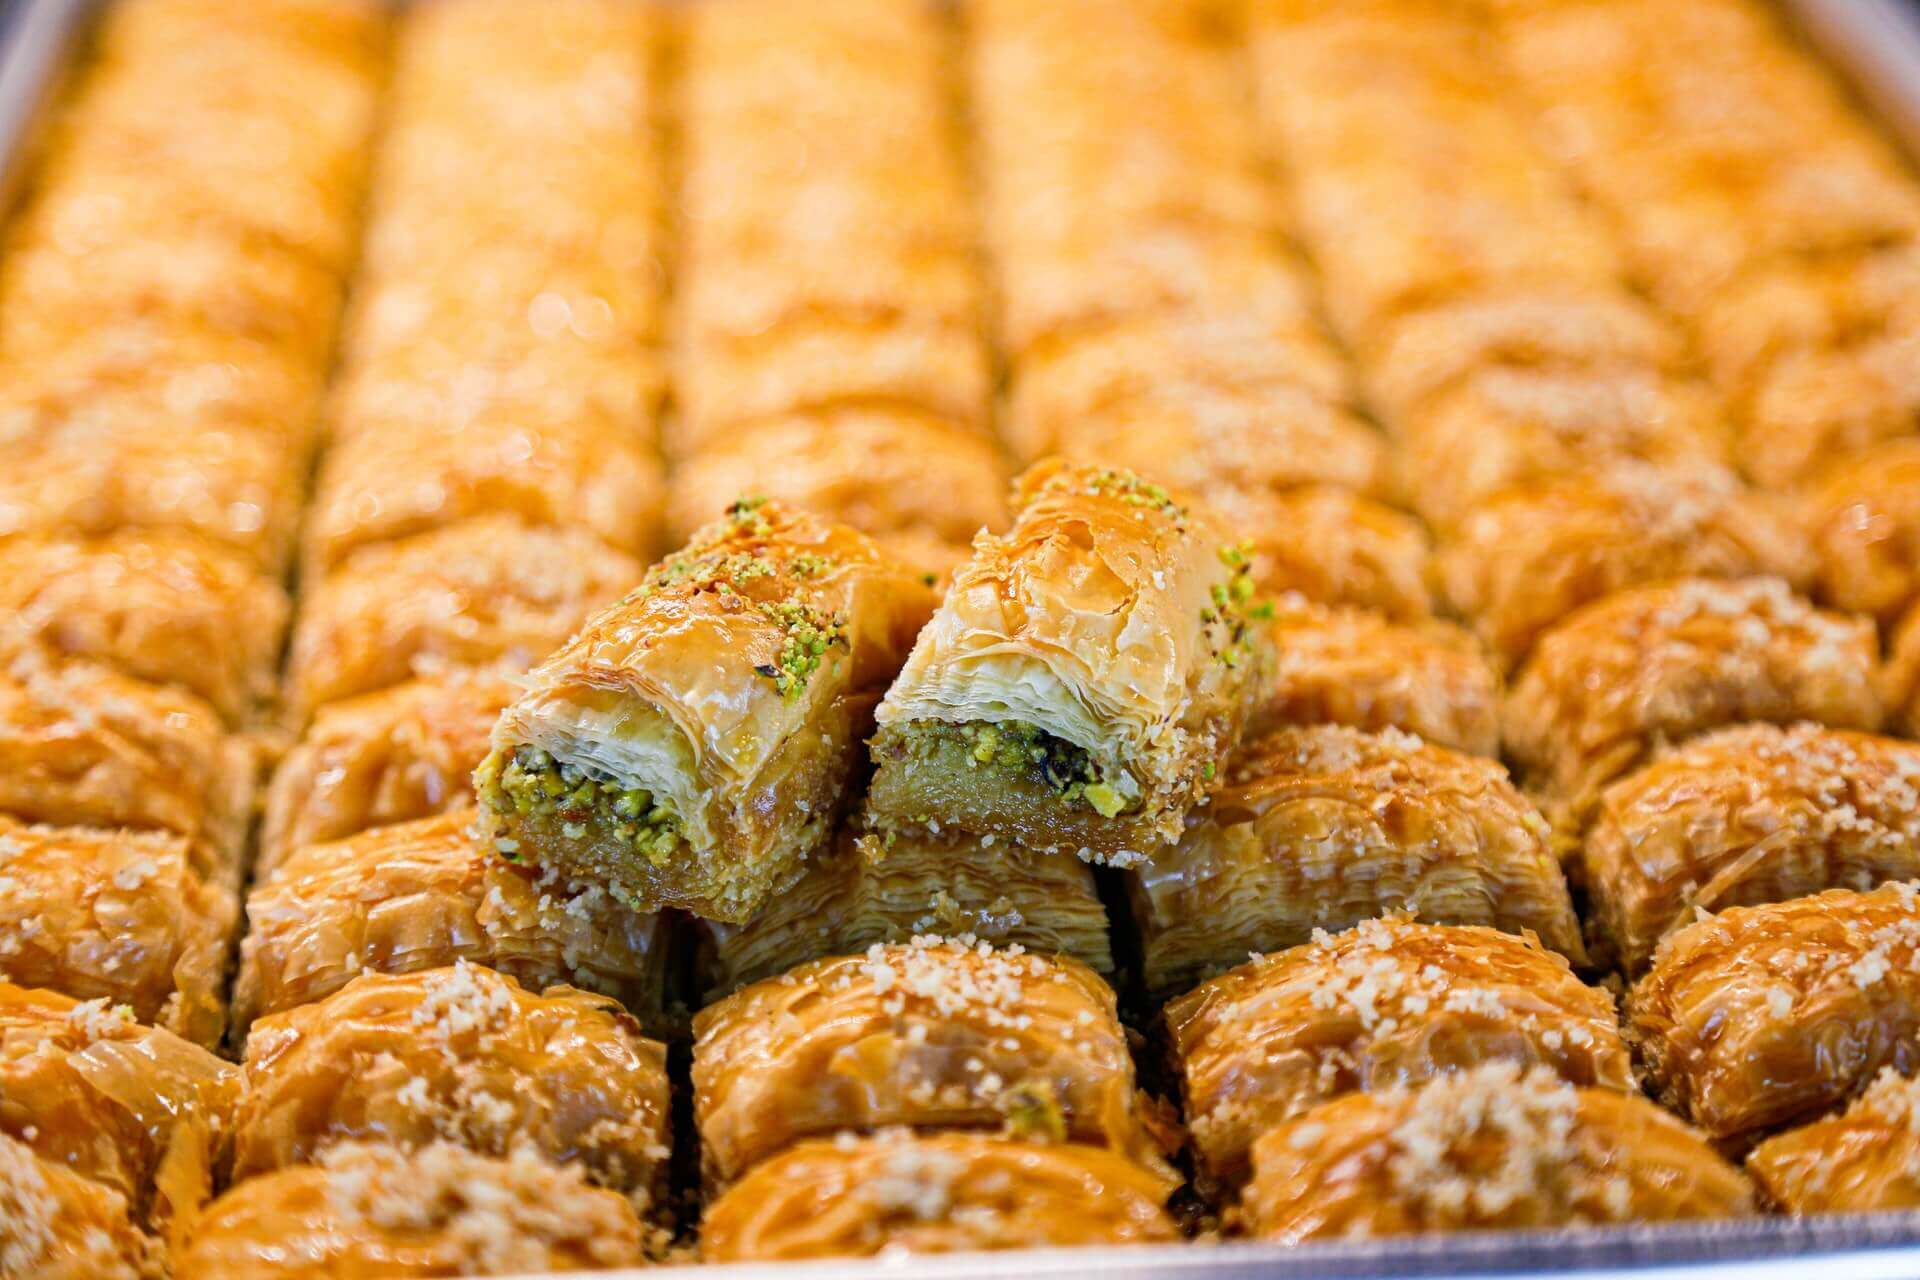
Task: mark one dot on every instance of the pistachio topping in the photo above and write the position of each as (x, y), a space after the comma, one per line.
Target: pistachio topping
(1228, 619)
(810, 633)
(744, 512)
(1135, 492)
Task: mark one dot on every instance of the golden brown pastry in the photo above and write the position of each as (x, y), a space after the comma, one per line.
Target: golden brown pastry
(57, 1225)
(485, 590)
(1863, 1158)
(1502, 1146)
(1745, 816)
(693, 745)
(366, 1211)
(128, 916)
(934, 1193)
(1389, 1003)
(1333, 547)
(425, 894)
(464, 1054)
(1084, 676)
(1763, 1016)
(1864, 520)
(930, 1034)
(1354, 667)
(1325, 827)
(403, 753)
(1656, 664)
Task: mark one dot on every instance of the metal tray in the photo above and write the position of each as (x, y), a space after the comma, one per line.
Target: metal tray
(1875, 45)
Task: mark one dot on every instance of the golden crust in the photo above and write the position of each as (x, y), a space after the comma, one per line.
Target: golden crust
(1863, 518)
(57, 1225)
(1390, 1003)
(931, 1034)
(464, 1054)
(939, 1193)
(1329, 826)
(1497, 1147)
(1762, 1016)
(1333, 547)
(1651, 665)
(1867, 1157)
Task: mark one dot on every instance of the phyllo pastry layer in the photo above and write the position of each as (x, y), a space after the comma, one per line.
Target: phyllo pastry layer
(1325, 827)
(1866, 1157)
(1499, 1147)
(1084, 678)
(61, 1226)
(1391, 1002)
(1333, 547)
(934, 1193)
(693, 745)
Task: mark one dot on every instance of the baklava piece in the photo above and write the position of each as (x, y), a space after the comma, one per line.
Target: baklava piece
(1389, 1003)
(1084, 678)
(1500, 1147)
(1333, 547)
(936, 1193)
(929, 1034)
(462, 1054)
(366, 1211)
(692, 747)
(426, 894)
(1866, 1157)
(1653, 665)
(1864, 519)
(1763, 1016)
(1749, 815)
(57, 1225)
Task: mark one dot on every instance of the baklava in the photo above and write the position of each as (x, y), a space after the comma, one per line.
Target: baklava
(1866, 1157)
(1333, 547)
(1864, 520)
(58, 1225)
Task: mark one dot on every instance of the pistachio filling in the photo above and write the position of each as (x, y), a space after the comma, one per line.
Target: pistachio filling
(1021, 750)
(583, 801)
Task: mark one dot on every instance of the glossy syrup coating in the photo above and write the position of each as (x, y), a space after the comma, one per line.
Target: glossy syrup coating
(1866, 1157)
(57, 1225)
(1863, 517)
(1333, 547)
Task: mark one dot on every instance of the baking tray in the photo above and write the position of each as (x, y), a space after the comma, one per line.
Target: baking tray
(1875, 45)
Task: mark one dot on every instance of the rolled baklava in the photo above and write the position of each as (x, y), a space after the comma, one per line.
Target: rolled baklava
(61, 1226)
(365, 1211)
(1084, 678)
(463, 1054)
(1866, 1157)
(1389, 1003)
(1749, 815)
(693, 745)
(934, 1193)
(1499, 1147)
(1325, 827)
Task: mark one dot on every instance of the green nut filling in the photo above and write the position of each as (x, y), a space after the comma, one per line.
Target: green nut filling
(1027, 751)
(532, 784)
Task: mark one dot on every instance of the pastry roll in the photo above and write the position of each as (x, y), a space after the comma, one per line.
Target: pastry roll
(1084, 677)
(1502, 1146)
(1524, 559)
(1655, 664)
(1764, 1016)
(934, 1193)
(166, 608)
(1749, 815)
(465, 1054)
(931, 1034)
(425, 894)
(692, 746)
(1864, 1158)
(1864, 517)
(1333, 547)
(490, 589)
(365, 1211)
(134, 1108)
(1389, 1003)
(128, 916)
(872, 888)
(1354, 667)
(61, 1226)
(403, 753)
(1329, 826)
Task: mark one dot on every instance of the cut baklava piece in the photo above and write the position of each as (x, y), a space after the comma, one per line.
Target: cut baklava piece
(58, 1225)
(1764, 1016)
(1085, 676)
(1354, 667)
(464, 1054)
(1333, 547)
(1864, 519)
(1653, 665)
(1745, 816)
(1526, 558)
(934, 1193)
(929, 1034)
(692, 746)
(367, 1211)
(1389, 1003)
(403, 753)
(1499, 1147)
(422, 895)
(128, 916)
(166, 608)
(490, 589)
(1865, 1158)
(1329, 826)
(870, 888)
